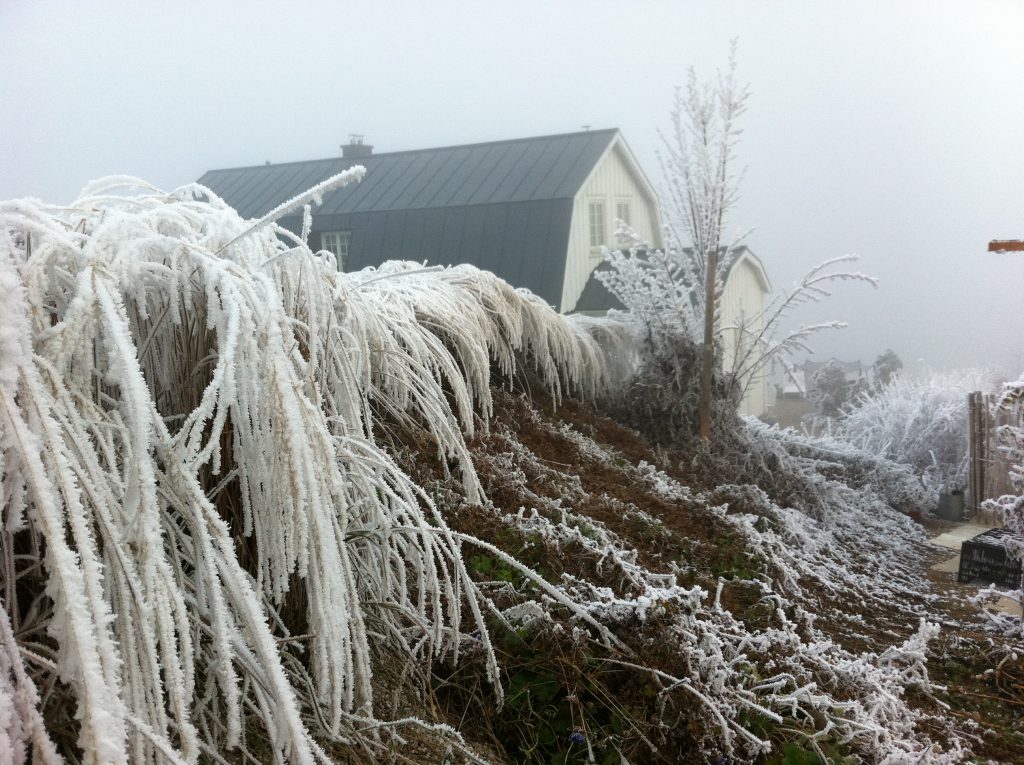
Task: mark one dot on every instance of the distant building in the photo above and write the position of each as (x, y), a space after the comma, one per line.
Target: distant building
(795, 401)
(854, 371)
(535, 211)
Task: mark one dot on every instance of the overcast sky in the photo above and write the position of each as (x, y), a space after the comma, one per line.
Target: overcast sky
(891, 130)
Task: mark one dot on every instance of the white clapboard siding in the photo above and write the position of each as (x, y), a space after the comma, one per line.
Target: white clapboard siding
(615, 178)
(742, 304)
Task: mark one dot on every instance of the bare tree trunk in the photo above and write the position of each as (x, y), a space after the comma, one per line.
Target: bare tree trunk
(708, 358)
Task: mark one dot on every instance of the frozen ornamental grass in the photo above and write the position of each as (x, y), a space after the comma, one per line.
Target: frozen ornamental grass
(189, 472)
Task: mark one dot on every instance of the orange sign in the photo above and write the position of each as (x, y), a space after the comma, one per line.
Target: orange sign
(1006, 245)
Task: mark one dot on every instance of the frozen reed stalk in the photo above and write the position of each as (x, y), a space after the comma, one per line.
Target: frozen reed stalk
(186, 432)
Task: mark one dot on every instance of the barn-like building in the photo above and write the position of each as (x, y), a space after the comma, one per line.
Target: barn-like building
(535, 211)
(741, 321)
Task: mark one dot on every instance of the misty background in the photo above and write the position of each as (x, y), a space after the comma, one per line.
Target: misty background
(893, 131)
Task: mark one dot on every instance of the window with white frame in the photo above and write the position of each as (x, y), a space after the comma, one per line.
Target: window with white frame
(336, 242)
(597, 227)
(622, 212)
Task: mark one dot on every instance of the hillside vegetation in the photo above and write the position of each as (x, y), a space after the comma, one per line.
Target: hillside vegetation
(259, 510)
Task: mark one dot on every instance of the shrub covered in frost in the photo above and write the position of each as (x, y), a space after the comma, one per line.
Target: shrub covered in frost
(918, 421)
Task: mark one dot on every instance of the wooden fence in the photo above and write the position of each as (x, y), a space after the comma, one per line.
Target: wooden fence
(989, 465)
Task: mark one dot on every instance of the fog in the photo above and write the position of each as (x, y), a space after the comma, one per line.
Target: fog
(890, 132)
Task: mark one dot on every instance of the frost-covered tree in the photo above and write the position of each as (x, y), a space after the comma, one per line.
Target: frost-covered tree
(671, 293)
(886, 367)
(829, 389)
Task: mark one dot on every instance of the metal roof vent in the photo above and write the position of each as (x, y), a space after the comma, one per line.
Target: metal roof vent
(355, 148)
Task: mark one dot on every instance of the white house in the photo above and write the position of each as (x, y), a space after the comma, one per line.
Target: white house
(742, 322)
(741, 317)
(615, 189)
(535, 211)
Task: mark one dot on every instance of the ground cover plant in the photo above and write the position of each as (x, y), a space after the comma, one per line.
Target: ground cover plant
(715, 589)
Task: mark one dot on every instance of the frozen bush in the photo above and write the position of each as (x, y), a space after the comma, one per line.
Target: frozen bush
(918, 421)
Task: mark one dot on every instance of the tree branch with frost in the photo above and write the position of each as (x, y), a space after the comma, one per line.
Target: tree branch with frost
(696, 163)
(665, 289)
(760, 348)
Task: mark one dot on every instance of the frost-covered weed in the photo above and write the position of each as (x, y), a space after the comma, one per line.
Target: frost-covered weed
(186, 440)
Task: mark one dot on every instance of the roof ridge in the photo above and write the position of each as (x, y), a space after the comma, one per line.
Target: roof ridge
(359, 160)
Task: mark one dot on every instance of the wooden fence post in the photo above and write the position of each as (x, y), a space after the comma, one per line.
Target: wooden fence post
(975, 471)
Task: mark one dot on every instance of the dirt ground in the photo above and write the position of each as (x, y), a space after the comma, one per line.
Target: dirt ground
(982, 682)
(984, 678)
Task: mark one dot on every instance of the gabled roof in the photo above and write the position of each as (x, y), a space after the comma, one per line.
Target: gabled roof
(742, 254)
(518, 170)
(504, 206)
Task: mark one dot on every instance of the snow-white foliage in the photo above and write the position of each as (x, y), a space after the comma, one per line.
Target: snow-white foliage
(187, 409)
(700, 184)
(663, 290)
(920, 421)
(845, 545)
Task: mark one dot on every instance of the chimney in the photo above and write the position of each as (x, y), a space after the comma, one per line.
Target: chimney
(355, 148)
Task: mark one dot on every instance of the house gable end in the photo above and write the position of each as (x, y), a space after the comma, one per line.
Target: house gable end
(615, 183)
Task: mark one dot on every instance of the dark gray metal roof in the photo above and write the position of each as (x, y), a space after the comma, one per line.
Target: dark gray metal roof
(504, 206)
(596, 298)
(519, 170)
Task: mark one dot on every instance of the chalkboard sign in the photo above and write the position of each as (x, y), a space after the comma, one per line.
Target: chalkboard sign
(984, 558)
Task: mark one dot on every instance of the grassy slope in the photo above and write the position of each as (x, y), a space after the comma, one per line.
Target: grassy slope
(533, 457)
